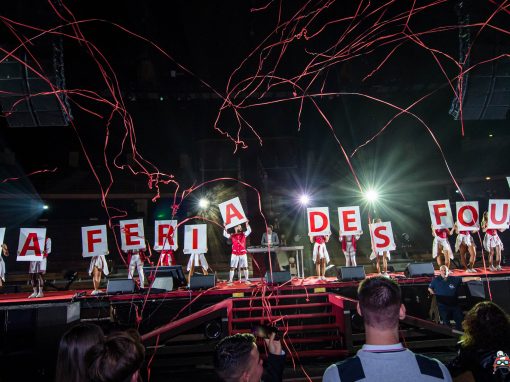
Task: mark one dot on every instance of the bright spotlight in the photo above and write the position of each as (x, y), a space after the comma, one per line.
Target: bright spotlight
(371, 196)
(304, 199)
(45, 207)
(203, 203)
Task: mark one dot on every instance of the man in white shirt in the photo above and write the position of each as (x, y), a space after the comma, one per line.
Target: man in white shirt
(383, 358)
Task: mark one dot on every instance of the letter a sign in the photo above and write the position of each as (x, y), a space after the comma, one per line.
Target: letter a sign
(232, 212)
(31, 244)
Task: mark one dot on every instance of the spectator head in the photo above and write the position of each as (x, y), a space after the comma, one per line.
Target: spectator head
(74, 344)
(238, 228)
(269, 229)
(380, 303)
(236, 358)
(118, 359)
(486, 326)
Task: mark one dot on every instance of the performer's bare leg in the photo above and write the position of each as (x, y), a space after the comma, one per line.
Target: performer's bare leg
(491, 255)
(472, 256)
(378, 263)
(323, 268)
(96, 278)
(462, 253)
(40, 282)
(191, 271)
(439, 253)
(318, 267)
(385, 262)
(35, 285)
(498, 257)
(447, 258)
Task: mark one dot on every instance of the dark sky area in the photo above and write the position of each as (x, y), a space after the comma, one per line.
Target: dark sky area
(174, 111)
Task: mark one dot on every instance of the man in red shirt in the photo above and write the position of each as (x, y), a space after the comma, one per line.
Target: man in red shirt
(239, 257)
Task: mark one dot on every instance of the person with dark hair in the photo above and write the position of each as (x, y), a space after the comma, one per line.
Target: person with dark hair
(486, 333)
(237, 359)
(75, 343)
(239, 258)
(382, 358)
(117, 359)
(270, 239)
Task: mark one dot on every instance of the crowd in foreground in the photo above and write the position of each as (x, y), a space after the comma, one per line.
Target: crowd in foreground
(86, 354)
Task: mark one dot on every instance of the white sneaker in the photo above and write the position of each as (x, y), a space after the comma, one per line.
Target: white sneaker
(247, 282)
(33, 295)
(385, 274)
(94, 292)
(499, 268)
(324, 278)
(230, 283)
(40, 294)
(492, 268)
(473, 270)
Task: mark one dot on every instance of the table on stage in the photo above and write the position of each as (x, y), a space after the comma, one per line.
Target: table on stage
(297, 249)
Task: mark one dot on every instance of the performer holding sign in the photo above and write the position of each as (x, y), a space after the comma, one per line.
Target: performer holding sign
(233, 215)
(442, 226)
(320, 254)
(382, 241)
(166, 241)
(349, 232)
(348, 243)
(133, 244)
(465, 244)
(467, 222)
(319, 231)
(441, 245)
(37, 269)
(95, 246)
(239, 256)
(492, 243)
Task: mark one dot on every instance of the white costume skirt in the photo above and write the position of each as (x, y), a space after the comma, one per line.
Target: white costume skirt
(380, 253)
(198, 260)
(444, 243)
(38, 266)
(2, 268)
(100, 262)
(491, 241)
(463, 239)
(239, 261)
(320, 252)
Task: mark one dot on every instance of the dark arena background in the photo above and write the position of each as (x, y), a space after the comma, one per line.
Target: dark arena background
(162, 110)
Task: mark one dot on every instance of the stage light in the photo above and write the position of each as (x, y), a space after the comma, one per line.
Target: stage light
(304, 199)
(487, 178)
(371, 195)
(203, 203)
(45, 207)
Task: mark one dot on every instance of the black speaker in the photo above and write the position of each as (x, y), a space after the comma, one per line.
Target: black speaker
(116, 286)
(202, 281)
(351, 273)
(277, 277)
(419, 269)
